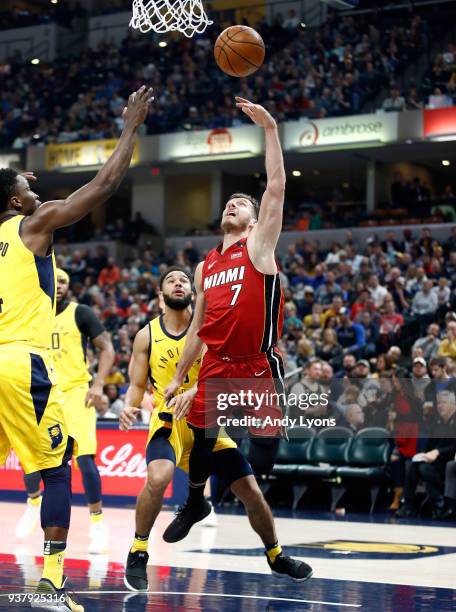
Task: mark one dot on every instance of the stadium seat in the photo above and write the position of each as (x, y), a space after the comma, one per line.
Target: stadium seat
(326, 452)
(366, 459)
(291, 455)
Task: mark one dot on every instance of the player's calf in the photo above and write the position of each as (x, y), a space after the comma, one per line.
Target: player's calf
(262, 522)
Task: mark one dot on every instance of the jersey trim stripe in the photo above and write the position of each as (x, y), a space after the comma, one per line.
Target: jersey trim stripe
(166, 332)
(272, 305)
(149, 351)
(278, 372)
(45, 270)
(40, 385)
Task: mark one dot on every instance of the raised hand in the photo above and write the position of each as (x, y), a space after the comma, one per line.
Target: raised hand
(138, 106)
(258, 114)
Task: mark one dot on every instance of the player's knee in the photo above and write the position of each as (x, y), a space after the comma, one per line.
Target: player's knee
(56, 506)
(248, 491)
(87, 464)
(157, 481)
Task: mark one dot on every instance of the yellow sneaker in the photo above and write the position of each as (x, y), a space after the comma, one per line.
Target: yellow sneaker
(49, 597)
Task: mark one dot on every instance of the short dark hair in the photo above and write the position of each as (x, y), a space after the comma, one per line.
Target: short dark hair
(438, 361)
(8, 178)
(253, 201)
(174, 269)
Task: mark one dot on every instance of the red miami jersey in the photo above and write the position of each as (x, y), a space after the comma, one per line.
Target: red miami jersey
(244, 307)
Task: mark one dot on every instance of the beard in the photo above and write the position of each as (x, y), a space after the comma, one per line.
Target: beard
(228, 225)
(177, 303)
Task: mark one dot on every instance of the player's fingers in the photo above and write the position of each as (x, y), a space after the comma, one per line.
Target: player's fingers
(248, 112)
(239, 99)
(184, 410)
(179, 411)
(148, 91)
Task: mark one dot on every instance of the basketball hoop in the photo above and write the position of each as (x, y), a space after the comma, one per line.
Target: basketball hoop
(161, 16)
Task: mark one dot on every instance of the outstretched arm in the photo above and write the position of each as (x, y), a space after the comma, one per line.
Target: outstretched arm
(263, 238)
(138, 371)
(106, 356)
(193, 344)
(37, 229)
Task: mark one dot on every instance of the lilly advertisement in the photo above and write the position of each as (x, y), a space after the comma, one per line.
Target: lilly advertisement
(122, 465)
(336, 132)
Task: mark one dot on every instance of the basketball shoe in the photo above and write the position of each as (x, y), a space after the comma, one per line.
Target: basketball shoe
(49, 597)
(99, 539)
(186, 516)
(287, 566)
(29, 520)
(135, 578)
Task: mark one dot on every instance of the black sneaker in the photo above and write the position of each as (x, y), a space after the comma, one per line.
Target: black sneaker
(287, 566)
(406, 512)
(135, 577)
(49, 597)
(186, 516)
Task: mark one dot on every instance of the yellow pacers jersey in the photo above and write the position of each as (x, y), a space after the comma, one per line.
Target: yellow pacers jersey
(27, 290)
(68, 352)
(165, 353)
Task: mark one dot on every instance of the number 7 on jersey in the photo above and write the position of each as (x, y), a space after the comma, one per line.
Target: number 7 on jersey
(236, 289)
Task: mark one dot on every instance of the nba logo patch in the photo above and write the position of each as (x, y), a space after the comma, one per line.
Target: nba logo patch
(55, 433)
(236, 255)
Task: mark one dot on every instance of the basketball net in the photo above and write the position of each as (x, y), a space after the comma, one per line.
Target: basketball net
(185, 16)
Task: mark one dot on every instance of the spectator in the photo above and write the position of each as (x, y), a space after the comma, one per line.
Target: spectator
(348, 367)
(448, 345)
(354, 416)
(449, 513)
(377, 291)
(425, 305)
(103, 410)
(430, 343)
(420, 377)
(390, 323)
(329, 350)
(350, 335)
(110, 275)
(328, 290)
(115, 403)
(395, 102)
(430, 466)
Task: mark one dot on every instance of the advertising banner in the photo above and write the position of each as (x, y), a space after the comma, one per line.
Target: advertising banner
(440, 123)
(207, 144)
(120, 459)
(339, 131)
(80, 154)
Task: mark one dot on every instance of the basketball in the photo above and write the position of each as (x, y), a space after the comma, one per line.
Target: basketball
(239, 51)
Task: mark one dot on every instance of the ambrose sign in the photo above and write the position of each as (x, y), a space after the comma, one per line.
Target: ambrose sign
(359, 129)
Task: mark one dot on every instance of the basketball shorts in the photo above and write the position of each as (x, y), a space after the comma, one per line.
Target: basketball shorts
(180, 437)
(250, 386)
(81, 420)
(31, 411)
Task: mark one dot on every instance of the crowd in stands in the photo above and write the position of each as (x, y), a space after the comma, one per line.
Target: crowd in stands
(62, 13)
(437, 88)
(374, 323)
(339, 69)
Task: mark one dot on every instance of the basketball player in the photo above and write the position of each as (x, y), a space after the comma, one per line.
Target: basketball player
(238, 315)
(31, 413)
(76, 324)
(156, 351)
